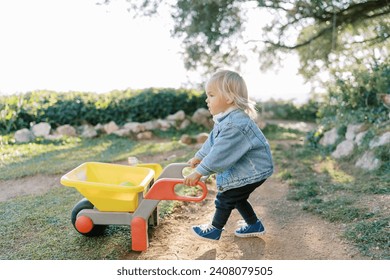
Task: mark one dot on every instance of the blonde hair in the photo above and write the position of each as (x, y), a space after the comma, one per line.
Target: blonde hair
(231, 85)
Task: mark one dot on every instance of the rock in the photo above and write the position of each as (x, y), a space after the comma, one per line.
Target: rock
(380, 140)
(146, 135)
(88, 131)
(122, 132)
(151, 125)
(164, 124)
(201, 138)
(184, 124)
(99, 127)
(133, 161)
(66, 130)
(110, 127)
(23, 136)
(344, 149)
(41, 129)
(186, 139)
(359, 137)
(202, 116)
(368, 161)
(178, 116)
(134, 127)
(171, 157)
(352, 130)
(330, 137)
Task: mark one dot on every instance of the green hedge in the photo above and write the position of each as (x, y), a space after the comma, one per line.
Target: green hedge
(287, 110)
(355, 98)
(75, 108)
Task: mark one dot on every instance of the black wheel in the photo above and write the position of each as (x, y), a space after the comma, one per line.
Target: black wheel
(95, 230)
(153, 219)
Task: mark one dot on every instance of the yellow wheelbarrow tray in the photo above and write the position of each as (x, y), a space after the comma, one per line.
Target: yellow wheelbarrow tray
(116, 194)
(110, 187)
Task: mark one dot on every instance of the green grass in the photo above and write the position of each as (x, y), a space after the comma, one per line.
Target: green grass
(55, 157)
(45, 157)
(372, 237)
(336, 191)
(274, 132)
(39, 227)
(339, 209)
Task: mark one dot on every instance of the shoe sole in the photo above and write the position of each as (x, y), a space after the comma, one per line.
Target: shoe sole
(201, 237)
(252, 234)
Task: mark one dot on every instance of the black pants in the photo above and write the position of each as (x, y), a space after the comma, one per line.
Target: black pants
(237, 198)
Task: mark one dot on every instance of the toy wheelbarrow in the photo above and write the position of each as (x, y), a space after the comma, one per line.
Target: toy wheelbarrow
(124, 195)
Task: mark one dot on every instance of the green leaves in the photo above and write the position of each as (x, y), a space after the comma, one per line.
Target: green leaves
(354, 97)
(76, 108)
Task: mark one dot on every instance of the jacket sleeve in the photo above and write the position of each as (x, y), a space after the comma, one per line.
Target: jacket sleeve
(229, 146)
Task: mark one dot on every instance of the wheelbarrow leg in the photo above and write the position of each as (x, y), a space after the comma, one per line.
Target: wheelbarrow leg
(139, 234)
(139, 224)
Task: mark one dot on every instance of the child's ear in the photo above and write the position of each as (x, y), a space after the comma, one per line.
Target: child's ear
(229, 100)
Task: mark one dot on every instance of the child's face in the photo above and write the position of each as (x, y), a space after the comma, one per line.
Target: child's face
(216, 102)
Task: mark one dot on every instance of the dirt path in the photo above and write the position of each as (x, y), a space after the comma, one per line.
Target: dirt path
(291, 233)
(37, 184)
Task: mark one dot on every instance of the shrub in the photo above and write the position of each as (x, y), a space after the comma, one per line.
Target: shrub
(354, 98)
(287, 110)
(153, 104)
(76, 108)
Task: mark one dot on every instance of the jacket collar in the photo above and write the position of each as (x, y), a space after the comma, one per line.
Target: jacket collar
(219, 117)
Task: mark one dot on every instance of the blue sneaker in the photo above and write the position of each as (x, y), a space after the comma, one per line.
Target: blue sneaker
(206, 231)
(246, 230)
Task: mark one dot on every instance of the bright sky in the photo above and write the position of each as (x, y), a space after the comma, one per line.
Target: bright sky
(66, 45)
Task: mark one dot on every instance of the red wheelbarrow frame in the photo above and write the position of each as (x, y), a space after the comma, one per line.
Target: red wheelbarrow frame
(162, 189)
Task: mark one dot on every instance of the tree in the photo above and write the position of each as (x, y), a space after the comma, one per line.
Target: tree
(322, 32)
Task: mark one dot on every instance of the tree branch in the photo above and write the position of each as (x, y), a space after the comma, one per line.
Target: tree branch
(350, 15)
(297, 46)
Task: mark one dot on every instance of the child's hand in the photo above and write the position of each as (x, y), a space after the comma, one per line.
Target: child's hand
(194, 162)
(192, 179)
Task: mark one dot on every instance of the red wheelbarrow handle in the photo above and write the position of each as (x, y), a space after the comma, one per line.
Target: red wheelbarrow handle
(164, 189)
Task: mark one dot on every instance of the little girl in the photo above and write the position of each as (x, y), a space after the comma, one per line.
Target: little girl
(236, 150)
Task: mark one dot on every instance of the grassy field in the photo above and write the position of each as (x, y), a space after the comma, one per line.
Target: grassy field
(55, 157)
(38, 226)
(340, 193)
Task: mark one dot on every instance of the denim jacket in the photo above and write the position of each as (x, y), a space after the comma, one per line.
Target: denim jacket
(237, 151)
